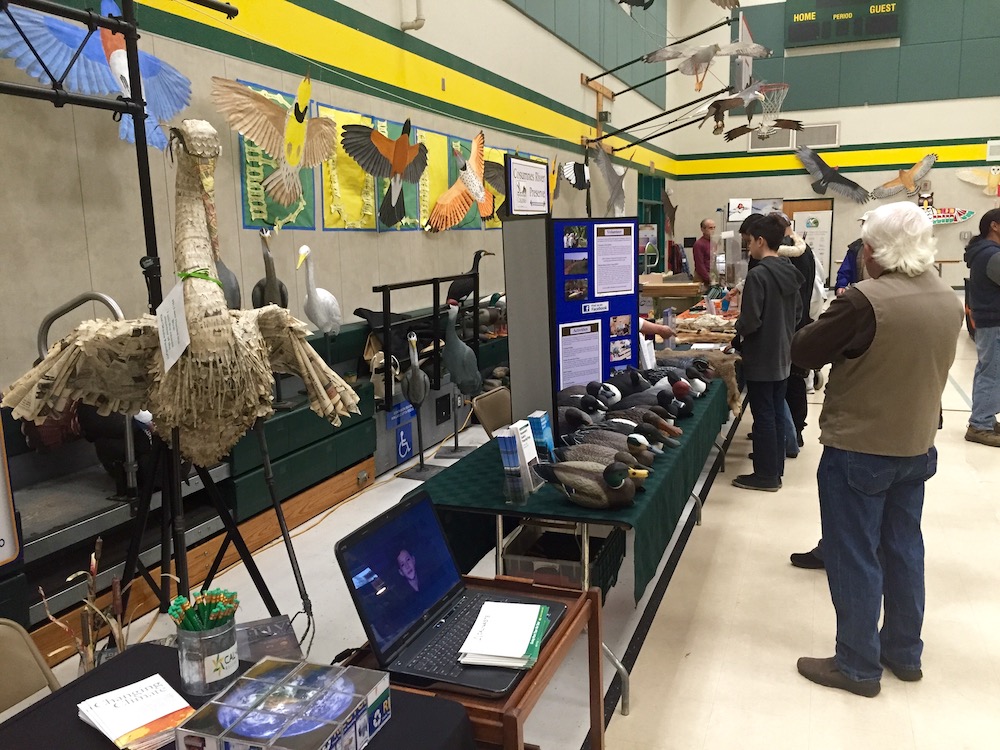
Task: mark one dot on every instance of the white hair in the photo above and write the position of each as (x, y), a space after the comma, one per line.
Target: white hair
(901, 237)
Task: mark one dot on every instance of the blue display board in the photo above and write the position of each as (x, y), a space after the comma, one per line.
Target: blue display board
(595, 298)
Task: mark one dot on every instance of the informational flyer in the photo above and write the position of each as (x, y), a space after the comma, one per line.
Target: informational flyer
(614, 259)
(580, 359)
(815, 227)
(528, 190)
(9, 545)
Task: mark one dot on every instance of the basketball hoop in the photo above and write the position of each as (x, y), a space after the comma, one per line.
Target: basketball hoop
(774, 97)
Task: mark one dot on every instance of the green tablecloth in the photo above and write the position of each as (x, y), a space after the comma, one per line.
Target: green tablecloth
(475, 484)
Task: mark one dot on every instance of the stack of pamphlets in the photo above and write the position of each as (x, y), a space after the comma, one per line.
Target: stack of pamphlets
(506, 635)
(517, 451)
(541, 431)
(140, 716)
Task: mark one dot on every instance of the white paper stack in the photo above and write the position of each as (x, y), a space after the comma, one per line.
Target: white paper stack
(140, 716)
(506, 635)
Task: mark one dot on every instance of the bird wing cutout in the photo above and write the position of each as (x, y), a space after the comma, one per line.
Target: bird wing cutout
(369, 148)
(165, 89)
(788, 124)
(975, 175)
(744, 49)
(667, 53)
(493, 176)
(451, 207)
(252, 114)
(737, 132)
(416, 162)
(812, 161)
(888, 189)
(922, 167)
(321, 138)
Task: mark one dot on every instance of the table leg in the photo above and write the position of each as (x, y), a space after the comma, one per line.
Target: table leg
(513, 730)
(722, 457)
(697, 508)
(499, 560)
(594, 647)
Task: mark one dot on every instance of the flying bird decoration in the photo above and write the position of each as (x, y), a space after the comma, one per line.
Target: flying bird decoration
(614, 176)
(695, 61)
(100, 69)
(669, 211)
(989, 178)
(907, 180)
(577, 174)
(287, 134)
(828, 177)
(554, 175)
(469, 188)
(644, 4)
(764, 129)
(749, 98)
(221, 384)
(395, 160)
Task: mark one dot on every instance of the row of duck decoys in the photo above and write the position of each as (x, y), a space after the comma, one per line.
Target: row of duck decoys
(614, 431)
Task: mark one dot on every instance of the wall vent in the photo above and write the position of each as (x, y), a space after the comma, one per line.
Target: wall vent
(826, 135)
(777, 141)
(992, 150)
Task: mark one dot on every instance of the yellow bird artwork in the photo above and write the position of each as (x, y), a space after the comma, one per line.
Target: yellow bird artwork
(287, 134)
(988, 177)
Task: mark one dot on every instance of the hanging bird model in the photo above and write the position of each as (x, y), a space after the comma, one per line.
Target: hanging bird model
(287, 134)
(270, 290)
(394, 160)
(221, 384)
(614, 176)
(554, 177)
(100, 69)
(907, 180)
(828, 177)
(644, 4)
(749, 98)
(321, 306)
(989, 178)
(764, 129)
(462, 287)
(695, 61)
(469, 188)
(593, 485)
(459, 358)
(577, 174)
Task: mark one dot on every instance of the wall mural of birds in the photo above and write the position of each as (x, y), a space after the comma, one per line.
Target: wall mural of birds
(988, 177)
(614, 176)
(470, 187)
(828, 178)
(749, 98)
(101, 68)
(460, 289)
(907, 180)
(393, 159)
(287, 134)
(320, 305)
(695, 61)
(222, 382)
(270, 290)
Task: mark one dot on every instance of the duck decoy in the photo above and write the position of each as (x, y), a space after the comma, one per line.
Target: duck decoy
(270, 290)
(415, 386)
(646, 398)
(571, 418)
(592, 485)
(639, 447)
(640, 414)
(599, 454)
(629, 381)
(321, 306)
(461, 288)
(230, 285)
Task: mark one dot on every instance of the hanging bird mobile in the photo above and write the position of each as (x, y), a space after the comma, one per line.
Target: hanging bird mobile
(614, 176)
(270, 290)
(577, 174)
(286, 134)
(989, 178)
(907, 180)
(695, 61)
(749, 98)
(221, 384)
(396, 160)
(469, 188)
(669, 211)
(828, 178)
(101, 68)
(320, 305)
(764, 129)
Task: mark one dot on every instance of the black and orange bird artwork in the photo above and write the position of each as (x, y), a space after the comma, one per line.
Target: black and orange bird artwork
(396, 160)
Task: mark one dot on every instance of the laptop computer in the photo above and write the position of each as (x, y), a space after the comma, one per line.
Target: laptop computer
(413, 604)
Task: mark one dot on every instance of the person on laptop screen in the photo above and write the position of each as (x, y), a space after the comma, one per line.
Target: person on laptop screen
(408, 568)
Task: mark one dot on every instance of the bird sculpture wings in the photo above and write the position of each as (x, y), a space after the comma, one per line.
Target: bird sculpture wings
(469, 188)
(988, 178)
(577, 174)
(287, 134)
(727, 4)
(614, 176)
(644, 4)
(827, 177)
(221, 384)
(907, 179)
(695, 61)
(100, 69)
(393, 159)
(764, 129)
(669, 212)
(749, 98)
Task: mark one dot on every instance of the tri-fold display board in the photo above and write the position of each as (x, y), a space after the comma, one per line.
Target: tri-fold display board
(572, 304)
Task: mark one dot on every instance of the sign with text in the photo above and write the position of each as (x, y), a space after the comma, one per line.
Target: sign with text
(172, 324)
(815, 22)
(527, 186)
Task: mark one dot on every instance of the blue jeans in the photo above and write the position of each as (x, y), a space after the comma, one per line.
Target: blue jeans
(766, 398)
(791, 434)
(986, 381)
(874, 550)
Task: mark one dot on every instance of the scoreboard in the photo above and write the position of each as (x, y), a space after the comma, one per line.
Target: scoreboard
(814, 22)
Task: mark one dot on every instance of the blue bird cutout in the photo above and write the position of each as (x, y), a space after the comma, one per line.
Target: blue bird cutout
(101, 68)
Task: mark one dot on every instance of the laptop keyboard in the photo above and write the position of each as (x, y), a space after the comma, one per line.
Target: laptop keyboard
(440, 656)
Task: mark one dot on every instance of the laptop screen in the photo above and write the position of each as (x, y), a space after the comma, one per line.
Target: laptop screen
(400, 568)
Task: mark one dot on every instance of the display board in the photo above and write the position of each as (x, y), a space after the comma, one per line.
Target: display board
(814, 22)
(595, 294)
(10, 545)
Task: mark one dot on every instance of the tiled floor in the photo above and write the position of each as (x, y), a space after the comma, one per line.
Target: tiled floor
(717, 669)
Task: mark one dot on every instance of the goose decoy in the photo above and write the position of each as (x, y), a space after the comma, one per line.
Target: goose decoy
(270, 290)
(288, 135)
(230, 285)
(395, 160)
(469, 188)
(321, 306)
(459, 358)
(592, 485)
(461, 288)
(415, 386)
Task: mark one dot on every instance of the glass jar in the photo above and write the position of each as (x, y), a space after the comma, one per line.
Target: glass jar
(208, 658)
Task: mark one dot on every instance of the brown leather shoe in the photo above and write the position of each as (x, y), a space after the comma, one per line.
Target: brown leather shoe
(986, 437)
(825, 672)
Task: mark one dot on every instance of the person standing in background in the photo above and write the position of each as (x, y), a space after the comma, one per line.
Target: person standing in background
(852, 269)
(983, 258)
(702, 253)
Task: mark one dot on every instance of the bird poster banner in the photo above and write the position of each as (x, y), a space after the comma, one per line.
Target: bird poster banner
(263, 206)
(435, 180)
(348, 191)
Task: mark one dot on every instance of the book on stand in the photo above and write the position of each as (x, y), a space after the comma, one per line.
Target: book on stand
(526, 454)
(506, 634)
(541, 431)
(140, 716)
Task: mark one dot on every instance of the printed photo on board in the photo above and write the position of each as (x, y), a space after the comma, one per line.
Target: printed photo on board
(576, 290)
(621, 325)
(575, 264)
(575, 237)
(621, 350)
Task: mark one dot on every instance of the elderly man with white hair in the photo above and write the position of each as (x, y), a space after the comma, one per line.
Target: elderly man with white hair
(891, 339)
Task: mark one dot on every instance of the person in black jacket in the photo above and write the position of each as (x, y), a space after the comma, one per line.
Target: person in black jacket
(983, 258)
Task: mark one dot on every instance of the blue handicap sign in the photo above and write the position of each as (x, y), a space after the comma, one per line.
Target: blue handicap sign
(399, 413)
(404, 442)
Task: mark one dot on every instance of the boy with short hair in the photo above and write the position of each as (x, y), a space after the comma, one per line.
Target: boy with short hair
(770, 309)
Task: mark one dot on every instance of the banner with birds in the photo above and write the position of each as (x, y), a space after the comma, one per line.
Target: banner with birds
(348, 191)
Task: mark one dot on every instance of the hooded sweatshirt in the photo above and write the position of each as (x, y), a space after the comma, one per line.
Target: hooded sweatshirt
(800, 254)
(769, 312)
(983, 258)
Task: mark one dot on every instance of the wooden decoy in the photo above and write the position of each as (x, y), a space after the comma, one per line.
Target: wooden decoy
(599, 454)
(230, 285)
(461, 288)
(592, 485)
(321, 306)
(270, 290)
(459, 358)
(639, 447)
(646, 398)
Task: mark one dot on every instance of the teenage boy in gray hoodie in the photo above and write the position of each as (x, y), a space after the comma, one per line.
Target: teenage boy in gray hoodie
(770, 310)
